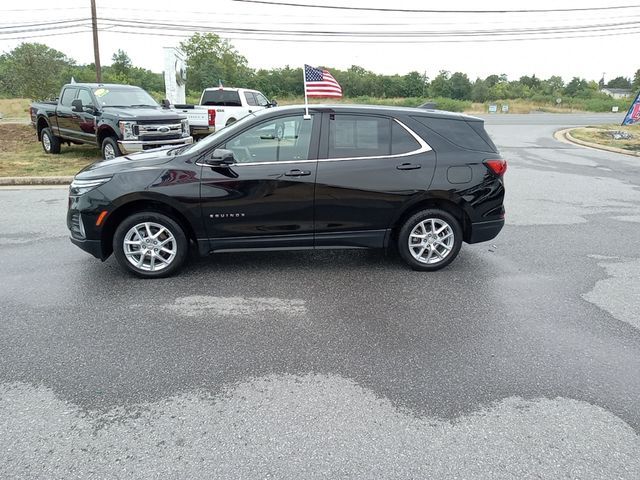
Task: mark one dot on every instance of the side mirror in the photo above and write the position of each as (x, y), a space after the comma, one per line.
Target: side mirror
(165, 103)
(76, 106)
(273, 103)
(221, 157)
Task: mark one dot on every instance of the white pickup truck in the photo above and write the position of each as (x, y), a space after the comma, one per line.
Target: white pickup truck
(220, 107)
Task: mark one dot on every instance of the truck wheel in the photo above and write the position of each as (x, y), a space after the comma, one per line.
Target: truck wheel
(430, 240)
(110, 148)
(150, 245)
(50, 143)
(230, 121)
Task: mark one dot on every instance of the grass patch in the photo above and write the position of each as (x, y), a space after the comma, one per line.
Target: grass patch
(21, 155)
(602, 135)
(17, 108)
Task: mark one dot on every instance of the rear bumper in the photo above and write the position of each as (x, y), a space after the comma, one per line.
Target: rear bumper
(132, 146)
(202, 131)
(483, 231)
(94, 247)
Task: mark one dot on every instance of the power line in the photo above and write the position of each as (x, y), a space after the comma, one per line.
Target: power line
(412, 10)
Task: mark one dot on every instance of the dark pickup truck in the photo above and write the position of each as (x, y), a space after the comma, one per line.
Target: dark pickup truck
(120, 119)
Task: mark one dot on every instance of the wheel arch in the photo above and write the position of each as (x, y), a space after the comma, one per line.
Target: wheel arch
(105, 131)
(41, 124)
(442, 202)
(131, 206)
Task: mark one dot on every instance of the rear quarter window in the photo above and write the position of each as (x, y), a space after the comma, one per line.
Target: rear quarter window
(401, 140)
(460, 133)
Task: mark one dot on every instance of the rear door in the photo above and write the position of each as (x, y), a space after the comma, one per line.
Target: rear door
(369, 167)
(265, 200)
(64, 116)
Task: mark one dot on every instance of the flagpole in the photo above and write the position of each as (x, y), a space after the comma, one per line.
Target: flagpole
(306, 102)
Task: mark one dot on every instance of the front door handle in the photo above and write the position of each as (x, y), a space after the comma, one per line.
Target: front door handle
(409, 166)
(297, 173)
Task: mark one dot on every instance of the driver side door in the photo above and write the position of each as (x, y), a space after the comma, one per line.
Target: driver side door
(266, 198)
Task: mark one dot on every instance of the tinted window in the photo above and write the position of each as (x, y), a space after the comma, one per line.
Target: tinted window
(401, 140)
(358, 136)
(68, 96)
(284, 138)
(458, 132)
(85, 96)
(251, 99)
(221, 98)
(262, 100)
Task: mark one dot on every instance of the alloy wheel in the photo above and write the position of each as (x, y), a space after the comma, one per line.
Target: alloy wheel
(109, 152)
(431, 241)
(46, 141)
(150, 247)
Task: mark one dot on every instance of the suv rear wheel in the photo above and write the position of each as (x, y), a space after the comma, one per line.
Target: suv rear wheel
(150, 245)
(430, 240)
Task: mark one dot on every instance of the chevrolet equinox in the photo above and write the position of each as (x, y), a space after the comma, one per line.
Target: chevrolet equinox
(343, 176)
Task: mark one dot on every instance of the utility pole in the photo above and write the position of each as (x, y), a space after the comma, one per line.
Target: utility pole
(96, 48)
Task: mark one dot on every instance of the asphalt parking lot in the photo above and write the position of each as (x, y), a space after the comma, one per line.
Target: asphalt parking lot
(520, 360)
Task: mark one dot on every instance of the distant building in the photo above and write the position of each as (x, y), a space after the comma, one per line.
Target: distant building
(617, 92)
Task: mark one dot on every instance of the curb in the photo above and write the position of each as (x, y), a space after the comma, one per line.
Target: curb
(6, 181)
(566, 134)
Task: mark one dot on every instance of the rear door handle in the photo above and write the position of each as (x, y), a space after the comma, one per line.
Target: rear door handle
(297, 173)
(409, 166)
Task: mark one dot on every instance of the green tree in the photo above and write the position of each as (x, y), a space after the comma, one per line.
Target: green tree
(479, 91)
(441, 85)
(619, 82)
(33, 70)
(211, 59)
(460, 86)
(413, 84)
(576, 86)
(636, 80)
(121, 63)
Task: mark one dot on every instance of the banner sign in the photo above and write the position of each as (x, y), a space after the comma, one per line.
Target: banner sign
(633, 115)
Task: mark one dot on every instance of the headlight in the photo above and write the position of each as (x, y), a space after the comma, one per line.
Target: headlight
(185, 126)
(126, 129)
(80, 187)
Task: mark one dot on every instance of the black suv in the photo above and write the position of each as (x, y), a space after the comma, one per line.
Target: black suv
(342, 176)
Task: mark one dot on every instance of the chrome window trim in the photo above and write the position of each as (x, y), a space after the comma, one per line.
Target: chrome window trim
(424, 147)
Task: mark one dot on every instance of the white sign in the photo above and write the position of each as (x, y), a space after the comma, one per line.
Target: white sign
(505, 108)
(175, 75)
(614, 109)
(493, 108)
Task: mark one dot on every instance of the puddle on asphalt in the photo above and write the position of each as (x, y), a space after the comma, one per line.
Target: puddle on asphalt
(619, 293)
(324, 425)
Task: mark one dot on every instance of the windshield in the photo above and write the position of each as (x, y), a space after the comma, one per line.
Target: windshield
(124, 97)
(213, 138)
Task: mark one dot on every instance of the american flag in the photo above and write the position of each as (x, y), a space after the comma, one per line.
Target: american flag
(320, 83)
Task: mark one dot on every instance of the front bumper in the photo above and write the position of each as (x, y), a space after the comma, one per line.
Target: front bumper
(133, 146)
(483, 231)
(202, 131)
(94, 247)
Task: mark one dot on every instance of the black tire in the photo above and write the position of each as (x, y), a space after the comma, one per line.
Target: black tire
(171, 226)
(441, 246)
(110, 143)
(48, 138)
(231, 121)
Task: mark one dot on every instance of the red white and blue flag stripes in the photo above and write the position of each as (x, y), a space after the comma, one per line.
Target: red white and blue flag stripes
(320, 83)
(633, 115)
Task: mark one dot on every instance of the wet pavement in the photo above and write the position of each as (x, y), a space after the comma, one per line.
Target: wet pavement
(520, 360)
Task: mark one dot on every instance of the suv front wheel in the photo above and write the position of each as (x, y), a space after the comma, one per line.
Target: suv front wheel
(430, 240)
(150, 245)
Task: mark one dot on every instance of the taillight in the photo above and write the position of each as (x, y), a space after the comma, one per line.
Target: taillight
(498, 166)
(212, 118)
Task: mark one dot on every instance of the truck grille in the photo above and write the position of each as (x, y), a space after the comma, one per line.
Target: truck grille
(158, 131)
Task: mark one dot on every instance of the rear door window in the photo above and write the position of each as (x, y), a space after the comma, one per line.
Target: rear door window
(352, 136)
(251, 99)
(221, 98)
(68, 96)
